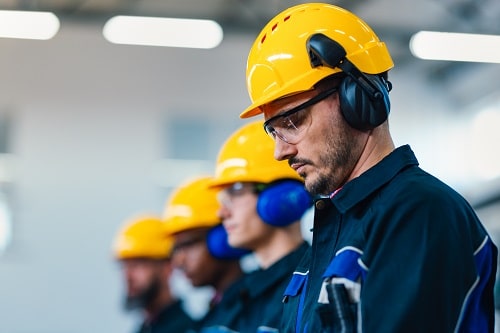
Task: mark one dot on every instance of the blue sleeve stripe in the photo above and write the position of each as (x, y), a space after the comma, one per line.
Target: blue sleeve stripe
(475, 315)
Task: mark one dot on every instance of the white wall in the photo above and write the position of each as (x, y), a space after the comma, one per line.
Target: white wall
(88, 122)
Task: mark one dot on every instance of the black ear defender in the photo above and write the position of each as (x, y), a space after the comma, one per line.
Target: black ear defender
(364, 98)
(283, 202)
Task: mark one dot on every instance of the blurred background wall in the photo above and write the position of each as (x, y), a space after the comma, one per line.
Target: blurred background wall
(92, 133)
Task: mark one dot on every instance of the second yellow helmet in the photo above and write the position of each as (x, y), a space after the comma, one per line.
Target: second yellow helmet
(248, 156)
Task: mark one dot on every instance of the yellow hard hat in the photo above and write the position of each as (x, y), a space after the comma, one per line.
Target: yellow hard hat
(192, 205)
(248, 156)
(143, 237)
(279, 65)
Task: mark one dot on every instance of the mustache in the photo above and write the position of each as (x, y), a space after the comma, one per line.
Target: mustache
(296, 160)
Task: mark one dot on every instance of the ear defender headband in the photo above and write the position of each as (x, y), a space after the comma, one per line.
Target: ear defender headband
(364, 98)
(219, 247)
(281, 203)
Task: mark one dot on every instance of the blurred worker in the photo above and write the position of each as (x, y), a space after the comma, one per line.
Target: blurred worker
(262, 203)
(394, 249)
(201, 250)
(143, 250)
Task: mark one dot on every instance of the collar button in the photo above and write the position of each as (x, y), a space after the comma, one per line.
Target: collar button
(320, 204)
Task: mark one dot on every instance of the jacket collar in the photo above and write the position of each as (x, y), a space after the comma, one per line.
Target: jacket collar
(374, 178)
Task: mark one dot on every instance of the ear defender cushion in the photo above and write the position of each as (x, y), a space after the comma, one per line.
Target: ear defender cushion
(283, 203)
(219, 247)
(360, 110)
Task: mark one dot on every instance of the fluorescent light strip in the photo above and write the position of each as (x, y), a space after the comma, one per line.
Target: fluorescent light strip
(455, 46)
(28, 25)
(158, 31)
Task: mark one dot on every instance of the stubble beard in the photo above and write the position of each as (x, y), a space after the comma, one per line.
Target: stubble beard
(144, 299)
(337, 162)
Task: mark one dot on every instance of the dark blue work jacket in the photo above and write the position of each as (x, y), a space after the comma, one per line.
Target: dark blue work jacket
(172, 319)
(222, 312)
(256, 305)
(395, 250)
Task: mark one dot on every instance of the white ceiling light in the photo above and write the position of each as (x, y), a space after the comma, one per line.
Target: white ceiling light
(455, 46)
(28, 25)
(158, 31)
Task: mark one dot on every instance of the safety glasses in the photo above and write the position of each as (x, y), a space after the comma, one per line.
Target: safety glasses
(288, 126)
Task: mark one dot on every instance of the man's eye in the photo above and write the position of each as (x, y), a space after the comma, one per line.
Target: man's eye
(295, 120)
(288, 124)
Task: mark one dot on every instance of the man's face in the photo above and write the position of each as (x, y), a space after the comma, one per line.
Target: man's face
(143, 279)
(243, 224)
(192, 257)
(327, 149)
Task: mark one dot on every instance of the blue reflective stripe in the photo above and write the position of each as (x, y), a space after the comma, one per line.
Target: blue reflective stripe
(296, 286)
(476, 312)
(301, 308)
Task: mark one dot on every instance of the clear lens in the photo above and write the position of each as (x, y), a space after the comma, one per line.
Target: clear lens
(227, 195)
(289, 125)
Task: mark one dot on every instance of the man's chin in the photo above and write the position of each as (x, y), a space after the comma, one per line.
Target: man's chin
(133, 303)
(308, 182)
(314, 187)
(302, 174)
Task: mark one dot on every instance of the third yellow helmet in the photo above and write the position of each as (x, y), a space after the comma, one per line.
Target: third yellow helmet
(192, 205)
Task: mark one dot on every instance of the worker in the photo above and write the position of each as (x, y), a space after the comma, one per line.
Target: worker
(262, 204)
(201, 250)
(143, 250)
(394, 249)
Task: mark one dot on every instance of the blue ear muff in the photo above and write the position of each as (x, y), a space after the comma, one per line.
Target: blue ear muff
(283, 203)
(219, 247)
